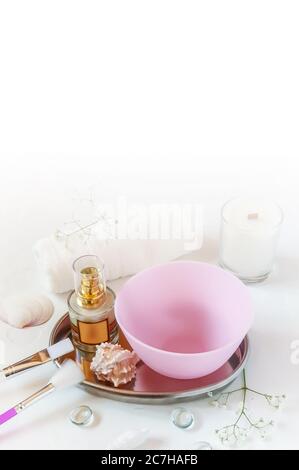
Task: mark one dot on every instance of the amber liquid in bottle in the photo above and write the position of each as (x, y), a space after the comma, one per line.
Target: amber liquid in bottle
(91, 306)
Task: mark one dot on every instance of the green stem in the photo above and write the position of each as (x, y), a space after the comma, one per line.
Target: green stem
(244, 388)
(233, 391)
(244, 378)
(258, 393)
(80, 228)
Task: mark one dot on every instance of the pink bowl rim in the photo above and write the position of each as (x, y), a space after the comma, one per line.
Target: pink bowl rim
(205, 353)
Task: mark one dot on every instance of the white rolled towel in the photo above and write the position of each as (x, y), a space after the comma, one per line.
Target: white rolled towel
(121, 257)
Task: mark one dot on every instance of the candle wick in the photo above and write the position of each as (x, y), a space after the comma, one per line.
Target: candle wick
(253, 216)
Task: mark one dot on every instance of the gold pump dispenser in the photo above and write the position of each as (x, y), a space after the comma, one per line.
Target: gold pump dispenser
(92, 292)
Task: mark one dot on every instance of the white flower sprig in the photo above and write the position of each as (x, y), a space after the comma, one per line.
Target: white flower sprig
(88, 220)
(244, 424)
(85, 232)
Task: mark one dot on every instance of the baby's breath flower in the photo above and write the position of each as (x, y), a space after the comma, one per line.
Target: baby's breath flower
(214, 403)
(235, 433)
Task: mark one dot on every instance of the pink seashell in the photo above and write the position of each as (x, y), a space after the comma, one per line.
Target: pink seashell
(114, 364)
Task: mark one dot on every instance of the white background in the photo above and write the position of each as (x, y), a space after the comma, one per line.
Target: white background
(181, 100)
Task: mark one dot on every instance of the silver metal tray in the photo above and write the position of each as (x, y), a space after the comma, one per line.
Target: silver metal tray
(151, 387)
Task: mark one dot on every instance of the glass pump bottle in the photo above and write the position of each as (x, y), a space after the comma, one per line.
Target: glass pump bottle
(91, 305)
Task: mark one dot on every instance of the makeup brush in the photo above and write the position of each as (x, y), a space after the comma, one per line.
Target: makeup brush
(69, 374)
(42, 357)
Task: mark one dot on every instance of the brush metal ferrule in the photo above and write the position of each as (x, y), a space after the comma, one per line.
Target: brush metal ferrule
(29, 362)
(34, 398)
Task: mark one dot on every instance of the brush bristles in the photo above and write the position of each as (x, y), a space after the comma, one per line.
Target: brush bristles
(60, 349)
(2, 376)
(69, 374)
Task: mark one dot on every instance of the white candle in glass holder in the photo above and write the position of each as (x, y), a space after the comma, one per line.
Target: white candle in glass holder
(249, 232)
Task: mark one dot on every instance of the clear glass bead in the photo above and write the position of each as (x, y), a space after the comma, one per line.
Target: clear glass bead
(182, 418)
(202, 445)
(81, 415)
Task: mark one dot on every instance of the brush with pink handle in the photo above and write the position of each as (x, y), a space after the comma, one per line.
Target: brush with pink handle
(69, 374)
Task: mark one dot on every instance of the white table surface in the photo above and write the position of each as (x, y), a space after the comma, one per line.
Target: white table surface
(46, 425)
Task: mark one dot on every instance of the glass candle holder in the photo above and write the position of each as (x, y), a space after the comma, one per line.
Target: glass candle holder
(248, 239)
(91, 306)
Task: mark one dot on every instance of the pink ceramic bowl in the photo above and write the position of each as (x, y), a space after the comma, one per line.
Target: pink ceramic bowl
(184, 319)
